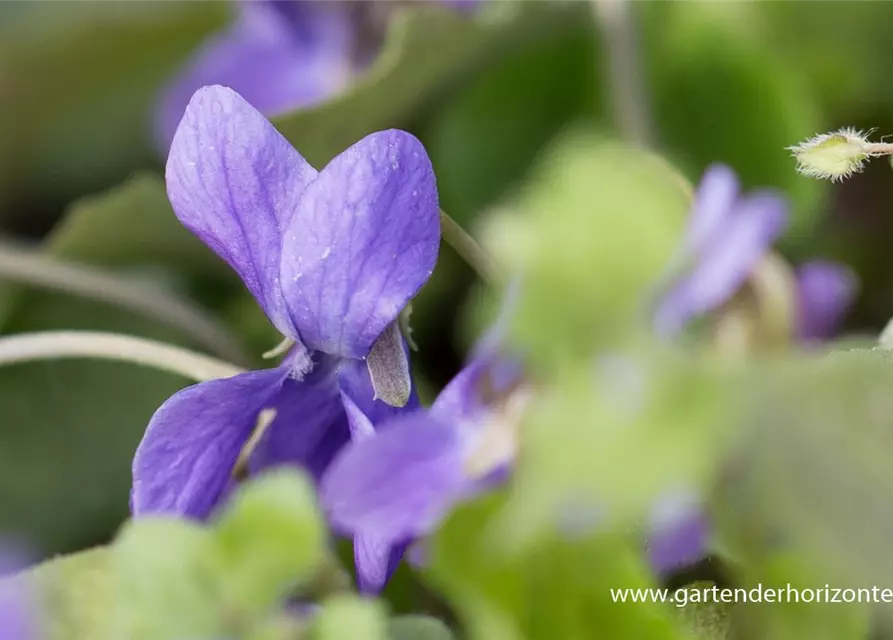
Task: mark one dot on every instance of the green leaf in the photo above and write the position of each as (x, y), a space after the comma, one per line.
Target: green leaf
(131, 224)
(592, 205)
(81, 419)
(271, 539)
(78, 80)
(558, 587)
(167, 580)
(73, 595)
(417, 627)
(812, 474)
(426, 47)
(350, 617)
(485, 138)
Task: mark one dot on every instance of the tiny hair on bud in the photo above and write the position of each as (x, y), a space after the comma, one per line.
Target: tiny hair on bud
(834, 156)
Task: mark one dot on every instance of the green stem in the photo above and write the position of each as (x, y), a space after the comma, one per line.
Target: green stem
(53, 345)
(468, 248)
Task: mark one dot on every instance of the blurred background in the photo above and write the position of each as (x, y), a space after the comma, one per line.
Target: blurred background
(90, 91)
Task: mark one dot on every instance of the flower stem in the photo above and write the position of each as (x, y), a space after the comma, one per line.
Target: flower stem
(30, 267)
(878, 148)
(52, 345)
(614, 19)
(468, 248)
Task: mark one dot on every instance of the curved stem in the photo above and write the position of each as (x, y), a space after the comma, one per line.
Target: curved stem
(52, 345)
(30, 267)
(625, 81)
(468, 248)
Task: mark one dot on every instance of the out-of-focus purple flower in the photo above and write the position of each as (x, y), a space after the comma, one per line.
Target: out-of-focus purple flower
(279, 55)
(679, 533)
(332, 257)
(825, 292)
(726, 237)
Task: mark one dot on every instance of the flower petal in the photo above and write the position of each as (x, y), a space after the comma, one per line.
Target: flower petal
(363, 242)
(310, 426)
(726, 262)
(235, 182)
(397, 485)
(375, 561)
(184, 463)
(711, 209)
(825, 292)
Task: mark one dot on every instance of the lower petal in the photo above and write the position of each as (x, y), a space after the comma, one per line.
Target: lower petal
(375, 561)
(399, 484)
(186, 458)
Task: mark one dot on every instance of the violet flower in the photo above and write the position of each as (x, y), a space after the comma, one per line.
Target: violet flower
(279, 55)
(727, 235)
(332, 257)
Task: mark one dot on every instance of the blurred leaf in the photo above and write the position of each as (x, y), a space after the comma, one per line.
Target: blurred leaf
(131, 224)
(719, 95)
(96, 64)
(810, 479)
(167, 580)
(592, 205)
(426, 47)
(79, 419)
(560, 587)
(349, 617)
(417, 627)
(271, 538)
(483, 139)
(72, 595)
(664, 416)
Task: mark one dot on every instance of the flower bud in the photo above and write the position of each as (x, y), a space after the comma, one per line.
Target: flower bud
(833, 156)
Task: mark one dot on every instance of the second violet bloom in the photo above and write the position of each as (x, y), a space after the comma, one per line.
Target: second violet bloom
(332, 257)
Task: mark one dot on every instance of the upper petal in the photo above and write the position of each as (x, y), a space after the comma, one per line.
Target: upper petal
(235, 182)
(398, 484)
(184, 463)
(725, 263)
(825, 291)
(363, 242)
(712, 207)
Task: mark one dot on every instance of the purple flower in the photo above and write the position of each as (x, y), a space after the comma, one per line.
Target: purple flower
(332, 257)
(825, 291)
(726, 237)
(279, 55)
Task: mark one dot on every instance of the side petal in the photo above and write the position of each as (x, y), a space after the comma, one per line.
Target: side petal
(375, 562)
(825, 291)
(235, 182)
(184, 463)
(725, 263)
(363, 242)
(310, 426)
(397, 485)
